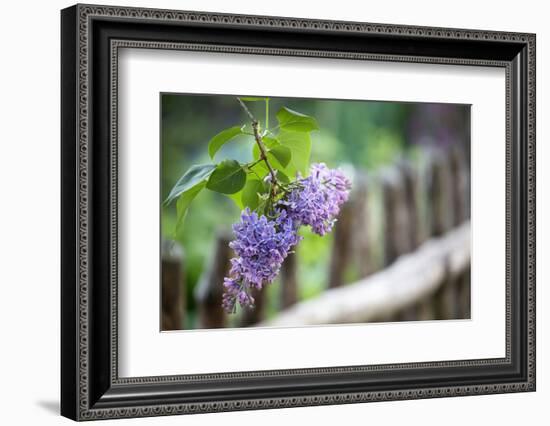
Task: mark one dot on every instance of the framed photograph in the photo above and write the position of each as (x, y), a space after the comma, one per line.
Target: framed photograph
(263, 212)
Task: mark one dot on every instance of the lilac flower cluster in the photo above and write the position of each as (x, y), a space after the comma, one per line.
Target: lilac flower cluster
(318, 199)
(262, 244)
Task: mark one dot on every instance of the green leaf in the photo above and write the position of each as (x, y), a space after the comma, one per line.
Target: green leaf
(221, 138)
(281, 153)
(299, 144)
(228, 178)
(295, 121)
(237, 199)
(277, 154)
(252, 99)
(193, 176)
(268, 142)
(260, 170)
(250, 197)
(282, 178)
(183, 204)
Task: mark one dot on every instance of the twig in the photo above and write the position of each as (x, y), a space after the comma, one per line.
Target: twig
(261, 146)
(252, 118)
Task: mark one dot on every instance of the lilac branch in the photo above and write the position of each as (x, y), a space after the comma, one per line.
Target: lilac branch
(261, 146)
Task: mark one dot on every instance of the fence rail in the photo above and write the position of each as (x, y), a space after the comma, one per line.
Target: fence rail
(411, 278)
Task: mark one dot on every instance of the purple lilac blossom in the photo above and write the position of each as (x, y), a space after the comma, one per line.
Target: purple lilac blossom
(235, 291)
(261, 245)
(318, 199)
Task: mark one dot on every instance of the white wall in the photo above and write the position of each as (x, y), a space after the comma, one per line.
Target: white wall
(29, 225)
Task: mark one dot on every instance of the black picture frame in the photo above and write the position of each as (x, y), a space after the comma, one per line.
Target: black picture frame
(90, 386)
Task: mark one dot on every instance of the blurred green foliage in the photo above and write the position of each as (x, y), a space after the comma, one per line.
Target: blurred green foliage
(363, 134)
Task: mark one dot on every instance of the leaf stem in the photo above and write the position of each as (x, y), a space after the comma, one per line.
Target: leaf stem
(266, 113)
(252, 164)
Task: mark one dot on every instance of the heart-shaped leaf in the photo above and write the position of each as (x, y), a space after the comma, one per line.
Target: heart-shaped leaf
(223, 137)
(268, 142)
(282, 178)
(278, 155)
(250, 193)
(228, 177)
(195, 175)
(295, 121)
(183, 203)
(237, 198)
(281, 153)
(299, 144)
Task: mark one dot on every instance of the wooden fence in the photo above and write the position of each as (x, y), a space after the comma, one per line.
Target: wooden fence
(411, 279)
(411, 257)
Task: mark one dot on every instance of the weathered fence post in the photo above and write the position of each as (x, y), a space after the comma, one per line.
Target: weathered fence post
(360, 227)
(464, 295)
(289, 281)
(351, 235)
(251, 316)
(440, 192)
(209, 291)
(173, 286)
(397, 221)
(461, 201)
(396, 232)
(460, 186)
(341, 246)
(411, 188)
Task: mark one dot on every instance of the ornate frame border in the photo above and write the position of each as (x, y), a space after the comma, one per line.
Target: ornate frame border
(76, 377)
